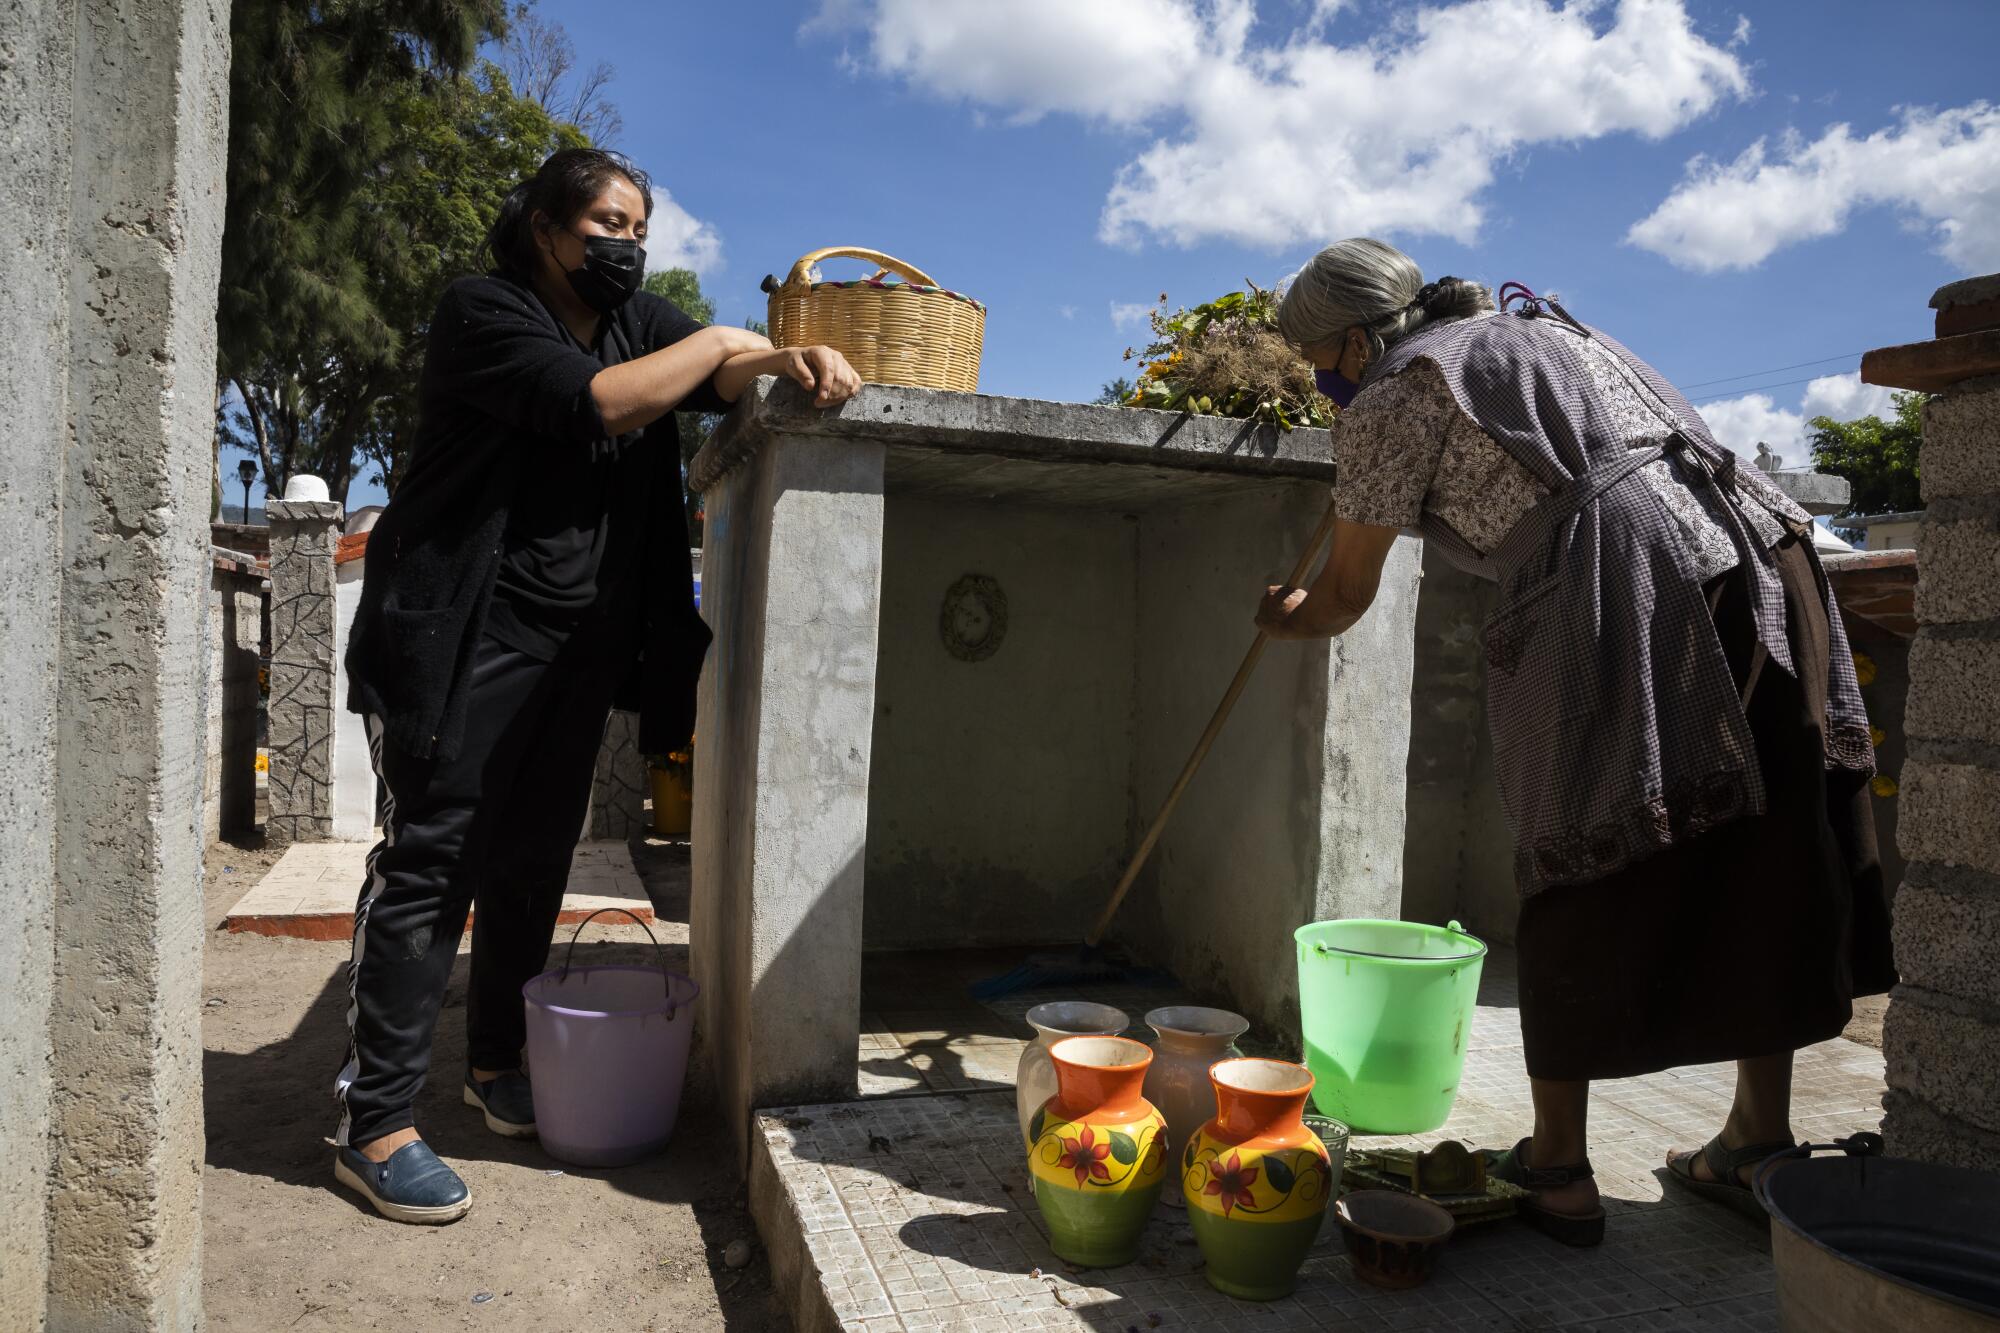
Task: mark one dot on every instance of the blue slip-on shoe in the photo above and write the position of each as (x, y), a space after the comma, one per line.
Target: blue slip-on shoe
(508, 1101)
(412, 1186)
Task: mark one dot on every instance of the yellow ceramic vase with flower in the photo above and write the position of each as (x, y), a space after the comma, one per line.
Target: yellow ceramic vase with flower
(1098, 1151)
(1257, 1180)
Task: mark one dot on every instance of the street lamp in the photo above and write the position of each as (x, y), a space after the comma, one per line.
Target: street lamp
(246, 472)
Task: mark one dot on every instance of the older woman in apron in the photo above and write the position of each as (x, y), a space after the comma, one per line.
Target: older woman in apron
(1677, 733)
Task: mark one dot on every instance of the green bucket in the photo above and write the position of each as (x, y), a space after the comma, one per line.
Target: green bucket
(1386, 1008)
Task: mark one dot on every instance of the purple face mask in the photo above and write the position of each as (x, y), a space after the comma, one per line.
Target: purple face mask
(1335, 386)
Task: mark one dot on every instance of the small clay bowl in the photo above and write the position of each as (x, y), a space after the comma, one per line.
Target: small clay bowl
(1394, 1239)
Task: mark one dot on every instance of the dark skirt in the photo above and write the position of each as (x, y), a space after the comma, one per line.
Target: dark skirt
(1750, 940)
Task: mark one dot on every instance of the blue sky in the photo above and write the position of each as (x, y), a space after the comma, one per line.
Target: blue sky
(1059, 159)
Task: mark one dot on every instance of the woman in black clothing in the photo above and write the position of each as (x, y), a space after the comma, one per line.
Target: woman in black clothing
(530, 573)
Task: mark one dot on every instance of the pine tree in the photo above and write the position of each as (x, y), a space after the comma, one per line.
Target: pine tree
(315, 93)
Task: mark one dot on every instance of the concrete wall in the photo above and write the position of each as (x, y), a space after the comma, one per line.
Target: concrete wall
(1000, 792)
(792, 586)
(235, 617)
(35, 396)
(104, 568)
(1458, 856)
(144, 222)
(1006, 793)
(1297, 814)
(1942, 1033)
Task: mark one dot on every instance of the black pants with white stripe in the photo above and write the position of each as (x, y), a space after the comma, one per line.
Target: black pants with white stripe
(494, 827)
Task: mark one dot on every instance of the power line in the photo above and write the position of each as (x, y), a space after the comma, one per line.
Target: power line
(1751, 375)
(1754, 388)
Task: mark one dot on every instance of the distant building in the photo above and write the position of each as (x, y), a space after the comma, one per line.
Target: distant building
(1888, 532)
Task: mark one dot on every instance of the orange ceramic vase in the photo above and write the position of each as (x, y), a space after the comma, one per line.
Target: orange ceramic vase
(1098, 1151)
(1257, 1180)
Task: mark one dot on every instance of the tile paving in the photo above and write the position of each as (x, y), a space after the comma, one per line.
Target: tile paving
(913, 1209)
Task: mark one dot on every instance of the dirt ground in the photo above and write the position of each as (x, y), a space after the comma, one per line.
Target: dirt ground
(546, 1247)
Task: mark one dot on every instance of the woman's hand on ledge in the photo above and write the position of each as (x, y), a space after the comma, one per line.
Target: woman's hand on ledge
(821, 371)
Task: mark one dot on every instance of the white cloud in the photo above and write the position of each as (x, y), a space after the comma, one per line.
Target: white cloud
(1114, 60)
(1744, 422)
(1130, 314)
(1276, 142)
(1066, 311)
(675, 238)
(1939, 169)
(1845, 397)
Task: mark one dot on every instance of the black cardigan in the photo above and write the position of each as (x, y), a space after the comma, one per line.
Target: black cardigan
(502, 387)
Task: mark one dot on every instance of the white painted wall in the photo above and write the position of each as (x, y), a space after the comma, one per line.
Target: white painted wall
(353, 773)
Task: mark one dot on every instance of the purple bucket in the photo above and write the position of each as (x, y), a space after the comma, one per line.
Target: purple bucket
(608, 1053)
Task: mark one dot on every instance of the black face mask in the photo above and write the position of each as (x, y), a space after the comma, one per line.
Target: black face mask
(613, 268)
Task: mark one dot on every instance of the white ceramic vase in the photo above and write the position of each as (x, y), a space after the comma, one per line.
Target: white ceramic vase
(1191, 1039)
(1035, 1076)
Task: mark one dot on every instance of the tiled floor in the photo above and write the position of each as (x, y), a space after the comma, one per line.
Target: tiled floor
(913, 1211)
(310, 893)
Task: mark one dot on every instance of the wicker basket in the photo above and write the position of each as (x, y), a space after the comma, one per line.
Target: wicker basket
(911, 332)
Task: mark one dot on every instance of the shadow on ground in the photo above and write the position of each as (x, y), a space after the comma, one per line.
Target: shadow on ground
(547, 1245)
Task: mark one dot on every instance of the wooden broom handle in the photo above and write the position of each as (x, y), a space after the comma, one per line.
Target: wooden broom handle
(1201, 747)
(910, 271)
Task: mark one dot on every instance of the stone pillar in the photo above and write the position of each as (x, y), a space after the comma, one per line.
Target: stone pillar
(42, 284)
(792, 588)
(619, 790)
(304, 664)
(1942, 1033)
(123, 109)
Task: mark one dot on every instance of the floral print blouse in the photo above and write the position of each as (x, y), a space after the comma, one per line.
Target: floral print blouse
(1406, 448)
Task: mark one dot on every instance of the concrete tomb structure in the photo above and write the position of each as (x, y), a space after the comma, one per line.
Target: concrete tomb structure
(1942, 1033)
(963, 646)
(116, 119)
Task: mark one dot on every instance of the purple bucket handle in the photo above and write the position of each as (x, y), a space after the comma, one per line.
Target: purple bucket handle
(666, 976)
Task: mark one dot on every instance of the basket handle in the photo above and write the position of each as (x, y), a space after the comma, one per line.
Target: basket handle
(909, 271)
(666, 977)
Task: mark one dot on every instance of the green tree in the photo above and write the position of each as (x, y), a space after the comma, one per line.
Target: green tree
(315, 93)
(1115, 394)
(683, 288)
(465, 142)
(1879, 458)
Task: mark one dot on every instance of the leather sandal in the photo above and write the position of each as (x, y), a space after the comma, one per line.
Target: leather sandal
(1723, 1164)
(1511, 1165)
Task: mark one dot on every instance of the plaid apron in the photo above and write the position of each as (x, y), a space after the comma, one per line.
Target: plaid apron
(1618, 729)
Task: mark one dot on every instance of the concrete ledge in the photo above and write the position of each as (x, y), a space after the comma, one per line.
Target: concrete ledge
(1934, 366)
(1011, 428)
(1814, 492)
(311, 892)
(1968, 305)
